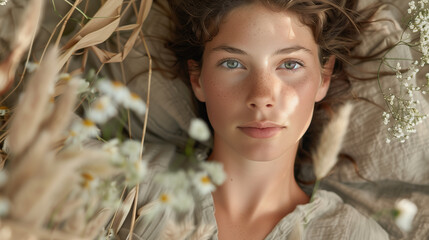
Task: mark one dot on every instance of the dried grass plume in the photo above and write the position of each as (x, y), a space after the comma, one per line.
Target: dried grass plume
(326, 154)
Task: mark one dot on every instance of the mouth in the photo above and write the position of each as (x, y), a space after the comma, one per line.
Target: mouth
(261, 129)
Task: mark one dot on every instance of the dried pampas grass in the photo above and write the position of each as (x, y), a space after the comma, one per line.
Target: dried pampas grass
(41, 177)
(24, 37)
(32, 106)
(326, 154)
(177, 230)
(47, 198)
(203, 232)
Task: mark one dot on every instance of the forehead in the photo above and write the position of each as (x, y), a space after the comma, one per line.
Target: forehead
(255, 25)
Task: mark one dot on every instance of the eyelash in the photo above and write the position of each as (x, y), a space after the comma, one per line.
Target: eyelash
(224, 62)
(297, 65)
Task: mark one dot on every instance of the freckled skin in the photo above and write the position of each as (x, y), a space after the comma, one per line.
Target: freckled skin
(228, 94)
(263, 66)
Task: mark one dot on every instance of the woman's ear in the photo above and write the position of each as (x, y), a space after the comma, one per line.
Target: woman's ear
(194, 77)
(327, 70)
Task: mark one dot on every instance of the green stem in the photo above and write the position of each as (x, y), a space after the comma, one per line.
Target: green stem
(189, 149)
(316, 187)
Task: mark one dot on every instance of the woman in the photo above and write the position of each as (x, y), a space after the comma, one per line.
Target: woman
(259, 67)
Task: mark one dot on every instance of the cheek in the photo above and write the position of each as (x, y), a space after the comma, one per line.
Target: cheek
(302, 110)
(219, 101)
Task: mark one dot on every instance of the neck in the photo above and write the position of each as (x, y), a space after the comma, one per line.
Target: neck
(253, 188)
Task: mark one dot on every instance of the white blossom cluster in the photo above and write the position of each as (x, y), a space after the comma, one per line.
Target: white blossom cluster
(114, 95)
(3, 2)
(125, 157)
(191, 179)
(403, 114)
(419, 13)
(182, 187)
(403, 108)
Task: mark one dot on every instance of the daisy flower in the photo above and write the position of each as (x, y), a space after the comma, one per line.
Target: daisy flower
(101, 110)
(112, 148)
(31, 66)
(135, 172)
(203, 183)
(115, 89)
(135, 103)
(89, 181)
(82, 84)
(215, 171)
(82, 130)
(131, 149)
(198, 130)
(4, 111)
(404, 213)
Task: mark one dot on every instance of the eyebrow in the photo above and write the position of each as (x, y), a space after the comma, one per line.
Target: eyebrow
(229, 49)
(286, 50)
(292, 49)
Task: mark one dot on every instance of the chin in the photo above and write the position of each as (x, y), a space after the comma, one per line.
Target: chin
(266, 153)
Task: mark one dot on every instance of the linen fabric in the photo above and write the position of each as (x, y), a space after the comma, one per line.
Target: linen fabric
(327, 217)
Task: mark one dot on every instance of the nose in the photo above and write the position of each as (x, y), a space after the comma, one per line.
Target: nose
(262, 90)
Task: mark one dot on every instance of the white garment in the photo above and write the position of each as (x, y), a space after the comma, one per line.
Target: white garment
(327, 217)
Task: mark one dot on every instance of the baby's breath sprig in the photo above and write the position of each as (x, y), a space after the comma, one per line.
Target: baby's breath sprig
(3, 2)
(403, 114)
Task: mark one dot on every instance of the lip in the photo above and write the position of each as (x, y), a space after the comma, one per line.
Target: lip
(261, 129)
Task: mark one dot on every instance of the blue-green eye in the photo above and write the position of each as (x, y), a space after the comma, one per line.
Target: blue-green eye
(291, 65)
(231, 64)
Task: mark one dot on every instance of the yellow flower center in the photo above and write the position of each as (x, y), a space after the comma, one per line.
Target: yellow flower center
(65, 77)
(164, 198)
(88, 123)
(117, 84)
(135, 96)
(87, 176)
(4, 111)
(99, 106)
(87, 179)
(205, 180)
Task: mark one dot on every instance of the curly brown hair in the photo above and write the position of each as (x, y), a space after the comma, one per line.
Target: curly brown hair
(335, 24)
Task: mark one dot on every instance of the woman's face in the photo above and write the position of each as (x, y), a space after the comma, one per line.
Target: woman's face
(260, 79)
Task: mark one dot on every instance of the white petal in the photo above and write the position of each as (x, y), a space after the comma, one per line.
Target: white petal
(198, 130)
(407, 211)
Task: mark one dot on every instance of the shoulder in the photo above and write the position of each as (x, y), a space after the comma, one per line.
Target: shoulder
(333, 219)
